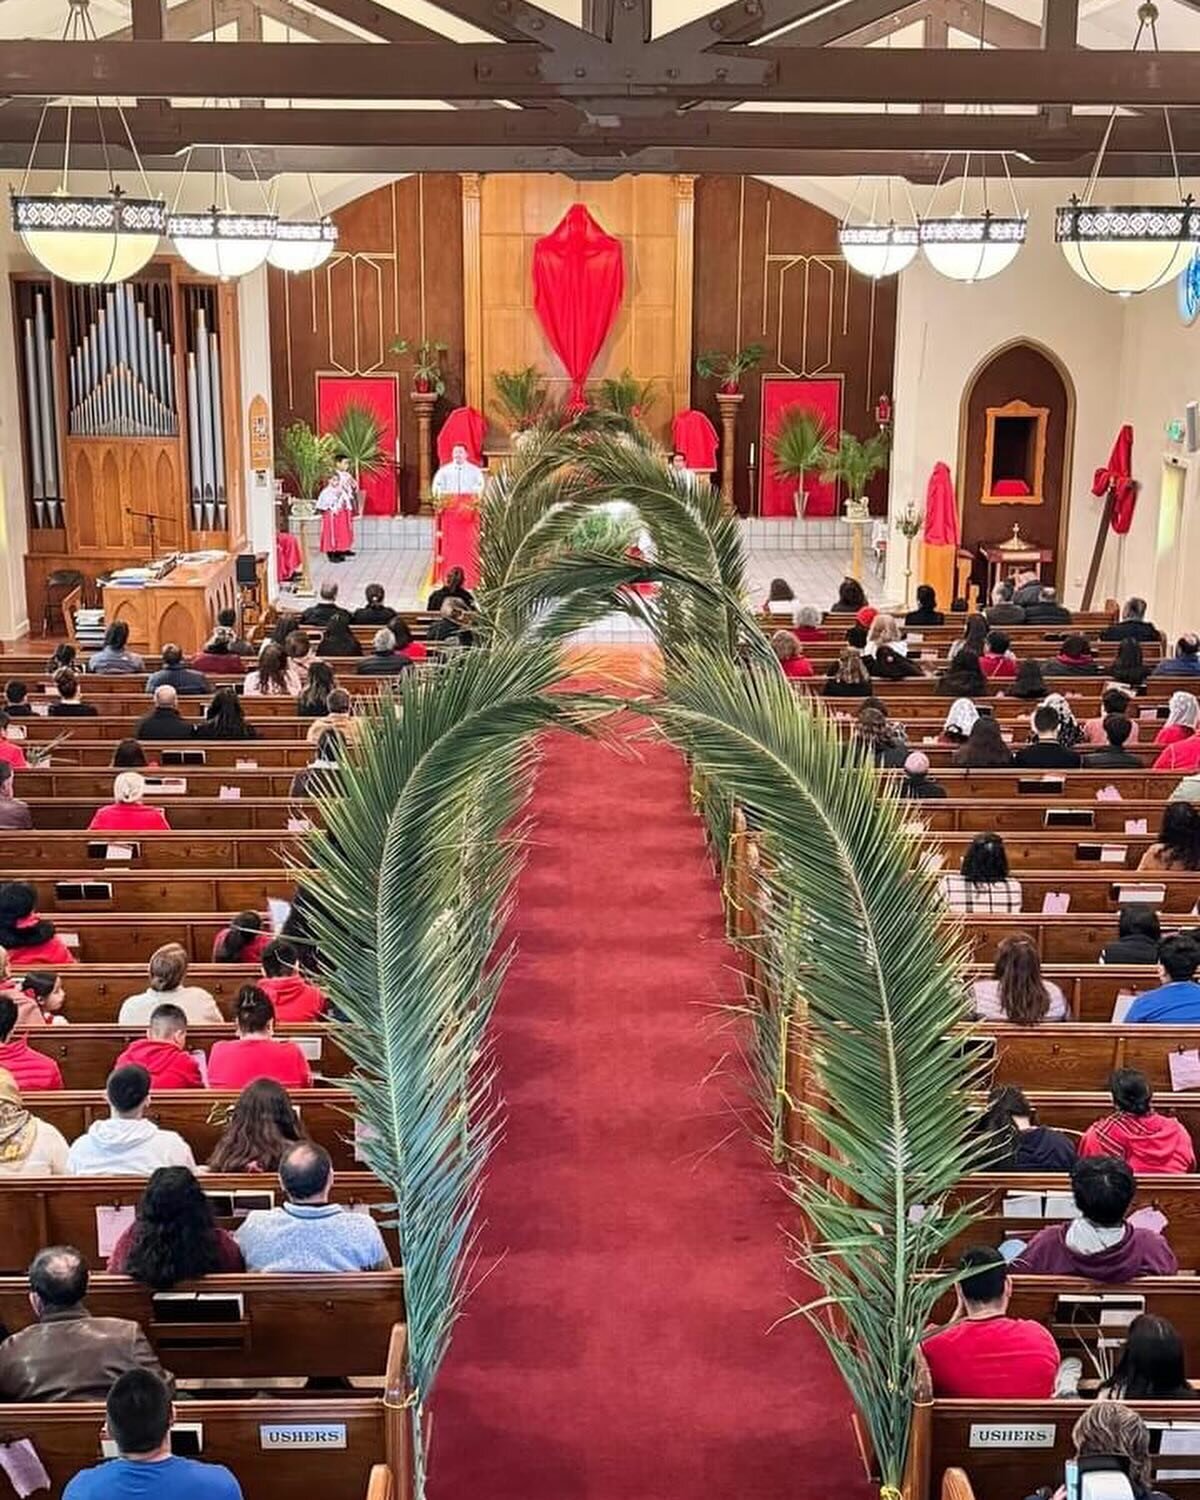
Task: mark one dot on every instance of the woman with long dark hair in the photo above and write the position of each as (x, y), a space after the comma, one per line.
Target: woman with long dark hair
(261, 1128)
(984, 748)
(973, 638)
(1151, 1366)
(242, 942)
(1129, 665)
(313, 702)
(276, 675)
(1016, 1142)
(338, 639)
(963, 678)
(174, 1238)
(1178, 843)
(1030, 682)
(983, 885)
(850, 598)
(225, 719)
(1016, 991)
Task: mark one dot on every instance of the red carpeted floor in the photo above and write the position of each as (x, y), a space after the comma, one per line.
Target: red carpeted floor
(619, 1349)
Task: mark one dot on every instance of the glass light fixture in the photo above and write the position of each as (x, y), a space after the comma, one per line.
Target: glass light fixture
(877, 246)
(1129, 248)
(87, 237)
(966, 246)
(222, 241)
(303, 244)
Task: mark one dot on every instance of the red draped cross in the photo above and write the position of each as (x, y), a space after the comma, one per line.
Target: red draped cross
(578, 283)
(1118, 478)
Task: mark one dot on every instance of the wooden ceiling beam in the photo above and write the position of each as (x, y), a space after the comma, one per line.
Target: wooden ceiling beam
(742, 21)
(378, 21)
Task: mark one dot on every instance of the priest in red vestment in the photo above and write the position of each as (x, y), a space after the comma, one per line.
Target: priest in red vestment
(456, 488)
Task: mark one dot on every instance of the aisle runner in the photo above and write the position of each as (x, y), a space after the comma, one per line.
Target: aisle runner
(619, 1351)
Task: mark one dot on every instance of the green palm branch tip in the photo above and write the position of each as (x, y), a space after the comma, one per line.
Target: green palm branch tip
(357, 434)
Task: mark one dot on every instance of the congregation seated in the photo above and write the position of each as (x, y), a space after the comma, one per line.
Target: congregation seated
(1114, 702)
(891, 665)
(917, 781)
(806, 623)
(1119, 730)
(406, 643)
(926, 612)
(218, 659)
(450, 625)
(1017, 991)
(255, 1053)
(384, 660)
(1147, 1141)
(1182, 721)
(128, 812)
(167, 974)
(374, 611)
(983, 1353)
(138, 1416)
(164, 721)
(127, 1144)
(1075, 659)
(114, 658)
(129, 755)
(39, 997)
(68, 704)
(973, 638)
(1001, 610)
(11, 753)
(1176, 1001)
(1181, 750)
(1132, 626)
(28, 937)
(1046, 752)
(963, 678)
(276, 675)
(30, 1068)
(1116, 1443)
(14, 813)
(884, 630)
(338, 639)
(225, 718)
(338, 717)
(1151, 1366)
(850, 598)
(176, 673)
(1030, 681)
(308, 1233)
(878, 736)
(1098, 1245)
(847, 677)
(983, 885)
(326, 608)
(262, 1127)
(780, 598)
(1129, 669)
(63, 655)
(293, 997)
(242, 942)
(452, 587)
(163, 1051)
(789, 655)
(1139, 933)
(998, 663)
(313, 701)
(1186, 660)
(961, 718)
(29, 1147)
(174, 1237)
(320, 775)
(1016, 1141)
(16, 702)
(69, 1355)
(1178, 844)
(984, 748)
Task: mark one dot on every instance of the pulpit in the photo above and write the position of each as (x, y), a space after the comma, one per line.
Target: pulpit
(1013, 555)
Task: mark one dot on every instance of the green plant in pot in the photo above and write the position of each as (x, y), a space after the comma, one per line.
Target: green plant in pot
(800, 447)
(520, 397)
(358, 435)
(305, 460)
(427, 363)
(728, 369)
(854, 463)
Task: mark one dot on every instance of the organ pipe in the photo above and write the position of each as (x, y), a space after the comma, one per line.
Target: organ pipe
(119, 384)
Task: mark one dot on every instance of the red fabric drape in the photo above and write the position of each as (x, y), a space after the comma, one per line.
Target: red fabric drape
(464, 425)
(941, 512)
(1118, 477)
(578, 283)
(693, 435)
(822, 397)
(378, 394)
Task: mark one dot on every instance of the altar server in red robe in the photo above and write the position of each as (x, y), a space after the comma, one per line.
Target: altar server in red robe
(336, 505)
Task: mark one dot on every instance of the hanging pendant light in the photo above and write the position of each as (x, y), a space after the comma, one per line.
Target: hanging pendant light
(967, 246)
(221, 241)
(875, 246)
(87, 237)
(1129, 248)
(304, 244)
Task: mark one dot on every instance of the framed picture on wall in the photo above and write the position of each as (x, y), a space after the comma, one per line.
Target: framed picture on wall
(1014, 454)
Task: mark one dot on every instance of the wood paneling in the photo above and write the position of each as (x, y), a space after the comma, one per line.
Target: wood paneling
(110, 477)
(397, 272)
(768, 270)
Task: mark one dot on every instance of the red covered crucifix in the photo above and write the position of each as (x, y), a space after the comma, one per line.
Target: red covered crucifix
(578, 283)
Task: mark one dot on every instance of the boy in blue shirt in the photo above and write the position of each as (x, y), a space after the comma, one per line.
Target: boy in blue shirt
(139, 1422)
(1176, 1002)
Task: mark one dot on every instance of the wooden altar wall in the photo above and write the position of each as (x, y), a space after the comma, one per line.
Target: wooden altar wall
(397, 272)
(768, 270)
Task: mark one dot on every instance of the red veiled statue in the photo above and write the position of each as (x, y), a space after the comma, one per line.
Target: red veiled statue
(578, 283)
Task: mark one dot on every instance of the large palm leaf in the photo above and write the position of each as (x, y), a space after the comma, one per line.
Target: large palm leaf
(853, 908)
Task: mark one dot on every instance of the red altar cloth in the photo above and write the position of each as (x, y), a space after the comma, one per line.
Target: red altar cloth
(456, 539)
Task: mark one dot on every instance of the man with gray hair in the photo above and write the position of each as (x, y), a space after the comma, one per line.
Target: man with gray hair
(1133, 625)
(164, 721)
(328, 610)
(69, 1355)
(384, 660)
(1002, 610)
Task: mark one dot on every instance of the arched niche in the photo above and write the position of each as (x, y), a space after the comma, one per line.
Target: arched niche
(1015, 440)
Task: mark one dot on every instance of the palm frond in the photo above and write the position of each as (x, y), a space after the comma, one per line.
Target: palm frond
(520, 396)
(357, 434)
(854, 920)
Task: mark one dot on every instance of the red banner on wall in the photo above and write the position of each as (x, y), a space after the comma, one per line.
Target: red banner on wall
(779, 393)
(378, 394)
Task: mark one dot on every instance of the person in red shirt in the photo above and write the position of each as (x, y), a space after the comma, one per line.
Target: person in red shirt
(790, 655)
(32, 1070)
(256, 1053)
(293, 997)
(10, 751)
(1148, 1141)
(806, 624)
(163, 1051)
(30, 941)
(997, 661)
(244, 941)
(983, 1354)
(127, 813)
(405, 644)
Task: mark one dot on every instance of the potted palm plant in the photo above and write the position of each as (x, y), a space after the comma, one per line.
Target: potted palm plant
(427, 363)
(854, 463)
(305, 460)
(520, 397)
(799, 447)
(728, 369)
(358, 435)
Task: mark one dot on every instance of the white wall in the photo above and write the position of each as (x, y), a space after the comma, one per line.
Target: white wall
(254, 329)
(13, 620)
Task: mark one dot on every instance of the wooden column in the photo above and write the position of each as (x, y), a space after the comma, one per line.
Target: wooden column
(729, 401)
(472, 291)
(423, 404)
(685, 205)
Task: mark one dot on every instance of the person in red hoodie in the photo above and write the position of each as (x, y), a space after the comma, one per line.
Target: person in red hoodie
(255, 1053)
(998, 662)
(30, 941)
(9, 750)
(32, 1070)
(293, 997)
(127, 812)
(163, 1051)
(1148, 1141)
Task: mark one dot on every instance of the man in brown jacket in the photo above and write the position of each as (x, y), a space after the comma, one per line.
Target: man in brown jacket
(68, 1355)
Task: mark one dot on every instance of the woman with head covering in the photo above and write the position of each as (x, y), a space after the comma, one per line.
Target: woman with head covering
(959, 721)
(29, 1147)
(127, 812)
(1070, 730)
(1183, 718)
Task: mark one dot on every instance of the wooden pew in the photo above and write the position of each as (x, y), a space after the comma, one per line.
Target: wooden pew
(1091, 990)
(1070, 788)
(94, 991)
(94, 783)
(1078, 1056)
(113, 938)
(1076, 938)
(185, 814)
(233, 849)
(86, 1054)
(133, 891)
(1075, 1112)
(83, 748)
(1028, 814)
(292, 1325)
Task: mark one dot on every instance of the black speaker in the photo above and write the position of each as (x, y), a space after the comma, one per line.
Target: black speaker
(247, 569)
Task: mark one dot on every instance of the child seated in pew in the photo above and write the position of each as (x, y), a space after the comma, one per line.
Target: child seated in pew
(163, 1051)
(1017, 992)
(242, 942)
(23, 931)
(1016, 1142)
(174, 1237)
(138, 1416)
(127, 812)
(262, 1126)
(29, 1147)
(255, 1053)
(1148, 1141)
(293, 997)
(983, 885)
(1099, 1245)
(31, 1069)
(127, 1144)
(40, 1000)
(167, 971)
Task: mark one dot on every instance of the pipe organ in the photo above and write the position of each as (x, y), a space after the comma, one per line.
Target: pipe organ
(130, 409)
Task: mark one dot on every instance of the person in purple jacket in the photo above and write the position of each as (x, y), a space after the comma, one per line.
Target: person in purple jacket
(1099, 1245)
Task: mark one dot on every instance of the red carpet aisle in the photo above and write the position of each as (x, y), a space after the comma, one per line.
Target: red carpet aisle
(619, 1351)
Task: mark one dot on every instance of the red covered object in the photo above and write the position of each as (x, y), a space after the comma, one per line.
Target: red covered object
(941, 510)
(1010, 487)
(578, 283)
(693, 435)
(287, 556)
(378, 394)
(824, 397)
(1118, 477)
(464, 425)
